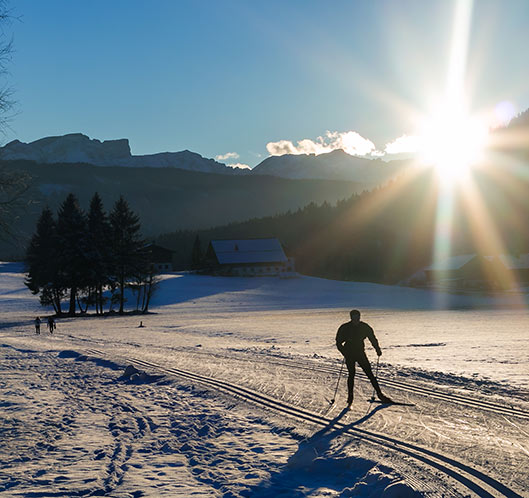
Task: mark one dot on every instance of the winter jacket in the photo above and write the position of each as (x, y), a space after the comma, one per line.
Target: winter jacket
(350, 338)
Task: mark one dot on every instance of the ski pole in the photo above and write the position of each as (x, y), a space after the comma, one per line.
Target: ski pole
(337, 383)
(376, 378)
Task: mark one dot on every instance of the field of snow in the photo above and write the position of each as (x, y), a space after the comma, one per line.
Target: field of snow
(232, 397)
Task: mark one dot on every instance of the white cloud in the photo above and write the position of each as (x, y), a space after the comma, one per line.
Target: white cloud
(228, 155)
(402, 145)
(282, 147)
(350, 141)
(239, 165)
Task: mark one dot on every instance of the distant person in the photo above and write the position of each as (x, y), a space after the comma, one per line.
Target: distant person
(51, 324)
(37, 326)
(350, 342)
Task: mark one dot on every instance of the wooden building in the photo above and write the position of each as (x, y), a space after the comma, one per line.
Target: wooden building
(160, 257)
(475, 271)
(248, 257)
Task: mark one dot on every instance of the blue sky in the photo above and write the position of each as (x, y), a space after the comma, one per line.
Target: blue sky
(219, 77)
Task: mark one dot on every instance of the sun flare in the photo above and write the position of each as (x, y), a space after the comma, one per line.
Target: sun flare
(452, 142)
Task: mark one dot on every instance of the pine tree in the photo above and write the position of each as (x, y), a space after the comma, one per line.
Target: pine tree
(42, 263)
(128, 259)
(99, 255)
(72, 248)
(196, 254)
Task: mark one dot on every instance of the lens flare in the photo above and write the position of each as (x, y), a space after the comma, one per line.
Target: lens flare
(452, 142)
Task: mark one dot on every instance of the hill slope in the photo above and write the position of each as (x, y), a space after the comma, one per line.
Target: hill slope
(168, 199)
(335, 165)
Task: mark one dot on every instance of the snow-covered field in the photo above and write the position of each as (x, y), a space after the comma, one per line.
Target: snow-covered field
(235, 396)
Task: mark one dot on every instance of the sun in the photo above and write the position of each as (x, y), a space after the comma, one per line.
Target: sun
(452, 142)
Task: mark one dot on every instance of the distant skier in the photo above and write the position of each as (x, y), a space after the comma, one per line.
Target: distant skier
(51, 324)
(350, 342)
(37, 326)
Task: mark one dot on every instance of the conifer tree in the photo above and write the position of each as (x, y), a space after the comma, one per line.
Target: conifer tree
(99, 255)
(72, 248)
(42, 263)
(196, 254)
(128, 259)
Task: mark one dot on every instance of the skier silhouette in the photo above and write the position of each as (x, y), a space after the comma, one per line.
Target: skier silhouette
(350, 342)
(37, 325)
(51, 324)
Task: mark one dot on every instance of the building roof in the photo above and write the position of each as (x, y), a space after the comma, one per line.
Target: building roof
(158, 254)
(452, 263)
(456, 262)
(244, 251)
(512, 262)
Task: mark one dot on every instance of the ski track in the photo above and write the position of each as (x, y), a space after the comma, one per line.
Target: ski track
(307, 364)
(228, 409)
(75, 428)
(472, 479)
(128, 433)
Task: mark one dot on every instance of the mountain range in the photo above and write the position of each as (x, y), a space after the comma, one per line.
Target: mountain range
(78, 148)
(335, 165)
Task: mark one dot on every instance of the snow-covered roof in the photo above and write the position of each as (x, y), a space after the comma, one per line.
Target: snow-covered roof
(513, 262)
(453, 263)
(248, 251)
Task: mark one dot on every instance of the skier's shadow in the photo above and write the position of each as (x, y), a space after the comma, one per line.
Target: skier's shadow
(314, 465)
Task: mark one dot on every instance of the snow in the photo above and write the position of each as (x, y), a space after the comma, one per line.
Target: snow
(73, 424)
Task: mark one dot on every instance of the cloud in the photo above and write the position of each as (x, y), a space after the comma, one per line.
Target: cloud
(349, 141)
(239, 165)
(228, 155)
(282, 147)
(402, 145)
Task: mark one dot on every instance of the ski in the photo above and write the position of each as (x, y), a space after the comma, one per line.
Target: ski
(399, 403)
(330, 409)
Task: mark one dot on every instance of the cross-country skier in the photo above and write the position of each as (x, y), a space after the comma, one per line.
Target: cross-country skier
(37, 325)
(350, 342)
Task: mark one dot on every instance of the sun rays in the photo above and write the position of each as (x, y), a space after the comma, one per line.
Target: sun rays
(455, 143)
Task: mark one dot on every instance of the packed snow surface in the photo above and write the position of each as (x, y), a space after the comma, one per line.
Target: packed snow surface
(75, 422)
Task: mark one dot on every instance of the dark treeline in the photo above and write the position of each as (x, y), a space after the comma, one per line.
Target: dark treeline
(386, 234)
(166, 198)
(78, 256)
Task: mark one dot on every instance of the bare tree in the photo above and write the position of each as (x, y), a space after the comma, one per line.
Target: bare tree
(6, 52)
(13, 184)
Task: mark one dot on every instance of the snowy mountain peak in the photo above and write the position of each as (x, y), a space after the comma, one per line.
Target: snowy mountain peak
(71, 148)
(334, 165)
(78, 148)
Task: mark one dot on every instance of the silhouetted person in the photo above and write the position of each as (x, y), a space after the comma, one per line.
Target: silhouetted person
(51, 324)
(37, 325)
(350, 342)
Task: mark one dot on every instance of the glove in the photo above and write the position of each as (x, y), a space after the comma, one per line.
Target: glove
(379, 352)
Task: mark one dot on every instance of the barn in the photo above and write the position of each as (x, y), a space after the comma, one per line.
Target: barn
(160, 258)
(248, 257)
(475, 271)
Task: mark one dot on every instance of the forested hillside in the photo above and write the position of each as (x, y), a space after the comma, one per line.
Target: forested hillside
(386, 234)
(166, 199)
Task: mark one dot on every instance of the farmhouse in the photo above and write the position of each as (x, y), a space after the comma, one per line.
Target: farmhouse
(248, 257)
(518, 265)
(159, 257)
(475, 271)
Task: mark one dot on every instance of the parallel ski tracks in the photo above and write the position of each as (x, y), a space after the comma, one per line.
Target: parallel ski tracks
(473, 480)
(410, 388)
(425, 391)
